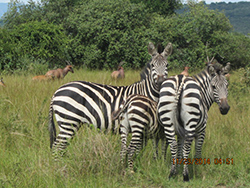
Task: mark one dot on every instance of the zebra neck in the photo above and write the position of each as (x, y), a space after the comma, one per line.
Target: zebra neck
(144, 87)
(203, 79)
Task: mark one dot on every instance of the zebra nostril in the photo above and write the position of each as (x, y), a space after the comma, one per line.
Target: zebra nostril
(160, 80)
(224, 111)
(224, 107)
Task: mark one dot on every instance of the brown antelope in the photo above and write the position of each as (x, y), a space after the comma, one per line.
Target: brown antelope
(185, 72)
(2, 83)
(119, 73)
(59, 73)
(41, 78)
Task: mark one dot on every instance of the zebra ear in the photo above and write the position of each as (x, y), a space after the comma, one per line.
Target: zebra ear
(226, 69)
(211, 69)
(168, 50)
(159, 48)
(151, 49)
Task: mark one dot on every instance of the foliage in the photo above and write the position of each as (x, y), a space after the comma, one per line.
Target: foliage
(19, 13)
(238, 89)
(237, 13)
(192, 32)
(57, 11)
(112, 32)
(163, 7)
(100, 34)
(34, 40)
(231, 47)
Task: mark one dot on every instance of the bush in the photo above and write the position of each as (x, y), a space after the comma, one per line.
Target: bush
(33, 40)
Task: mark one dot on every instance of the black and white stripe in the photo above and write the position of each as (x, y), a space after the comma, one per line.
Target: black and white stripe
(82, 102)
(137, 114)
(183, 109)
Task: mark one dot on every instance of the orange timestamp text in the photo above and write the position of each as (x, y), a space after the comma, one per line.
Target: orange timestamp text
(203, 161)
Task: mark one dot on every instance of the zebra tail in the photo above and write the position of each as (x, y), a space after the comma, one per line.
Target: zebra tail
(115, 114)
(178, 128)
(52, 129)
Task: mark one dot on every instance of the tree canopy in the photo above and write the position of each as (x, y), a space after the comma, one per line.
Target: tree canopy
(99, 34)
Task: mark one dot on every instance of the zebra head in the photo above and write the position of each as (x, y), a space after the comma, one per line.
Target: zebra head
(219, 85)
(159, 63)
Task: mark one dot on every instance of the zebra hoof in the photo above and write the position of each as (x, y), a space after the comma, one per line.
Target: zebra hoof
(171, 175)
(185, 178)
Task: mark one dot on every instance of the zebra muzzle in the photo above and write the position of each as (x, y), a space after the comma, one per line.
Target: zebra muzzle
(160, 80)
(224, 107)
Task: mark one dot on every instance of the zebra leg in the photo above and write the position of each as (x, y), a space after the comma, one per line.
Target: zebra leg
(59, 146)
(173, 149)
(164, 147)
(156, 143)
(124, 134)
(198, 144)
(133, 147)
(180, 141)
(67, 129)
(169, 131)
(186, 150)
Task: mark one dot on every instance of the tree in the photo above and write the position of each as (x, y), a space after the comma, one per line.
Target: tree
(193, 34)
(38, 40)
(104, 33)
(19, 13)
(163, 7)
(100, 34)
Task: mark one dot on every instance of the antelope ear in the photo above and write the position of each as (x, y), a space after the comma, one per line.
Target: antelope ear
(121, 63)
(68, 62)
(168, 50)
(151, 49)
(226, 69)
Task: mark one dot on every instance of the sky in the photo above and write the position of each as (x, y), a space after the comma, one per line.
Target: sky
(207, 1)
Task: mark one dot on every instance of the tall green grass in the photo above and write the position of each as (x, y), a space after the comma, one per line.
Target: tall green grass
(92, 159)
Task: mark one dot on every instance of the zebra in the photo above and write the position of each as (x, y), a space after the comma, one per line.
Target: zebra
(183, 110)
(80, 102)
(137, 114)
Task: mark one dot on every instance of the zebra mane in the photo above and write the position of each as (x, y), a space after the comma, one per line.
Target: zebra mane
(217, 67)
(145, 71)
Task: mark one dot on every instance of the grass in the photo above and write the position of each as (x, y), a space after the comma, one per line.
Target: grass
(92, 159)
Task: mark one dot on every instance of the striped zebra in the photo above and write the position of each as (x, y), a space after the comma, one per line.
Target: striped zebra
(137, 114)
(81, 102)
(183, 110)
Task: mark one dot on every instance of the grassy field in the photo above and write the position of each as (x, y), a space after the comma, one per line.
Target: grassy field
(92, 159)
